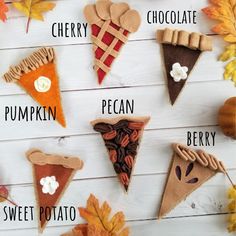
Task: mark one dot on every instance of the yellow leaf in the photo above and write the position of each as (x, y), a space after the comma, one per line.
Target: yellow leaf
(33, 9)
(224, 12)
(232, 208)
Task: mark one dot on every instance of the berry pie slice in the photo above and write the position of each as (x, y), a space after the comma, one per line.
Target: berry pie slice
(188, 171)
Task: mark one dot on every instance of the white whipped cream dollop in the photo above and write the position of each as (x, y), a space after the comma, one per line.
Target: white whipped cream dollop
(179, 72)
(49, 184)
(42, 84)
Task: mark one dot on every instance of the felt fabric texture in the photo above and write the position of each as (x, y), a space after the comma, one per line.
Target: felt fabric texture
(50, 98)
(122, 158)
(184, 56)
(63, 177)
(47, 165)
(184, 177)
(111, 23)
(179, 46)
(40, 63)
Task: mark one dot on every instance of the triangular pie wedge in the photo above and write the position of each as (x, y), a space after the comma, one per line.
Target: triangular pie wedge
(189, 169)
(60, 170)
(111, 23)
(37, 75)
(182, 49)
(122, 137)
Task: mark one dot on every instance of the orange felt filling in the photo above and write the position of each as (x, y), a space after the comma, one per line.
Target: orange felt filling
(50, 98)
(63, 176)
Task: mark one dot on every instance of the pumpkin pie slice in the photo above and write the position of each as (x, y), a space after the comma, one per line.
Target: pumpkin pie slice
(180, 50)
(37, 75)
(188, 171)
(122, 137)
(52, 175)
(111, 24)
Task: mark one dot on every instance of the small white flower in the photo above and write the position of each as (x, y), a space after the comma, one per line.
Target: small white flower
(179, 72)
(49, 184)
(42, 84)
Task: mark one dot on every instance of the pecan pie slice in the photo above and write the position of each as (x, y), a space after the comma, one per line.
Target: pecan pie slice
(188, 171)
(122, 137)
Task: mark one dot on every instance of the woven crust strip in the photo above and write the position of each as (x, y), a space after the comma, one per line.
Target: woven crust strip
(118, 35)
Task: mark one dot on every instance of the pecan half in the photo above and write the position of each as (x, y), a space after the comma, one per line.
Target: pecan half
(129, 161)
(125, 141)
(111, 145)
(103, 127)
(117, 168)
(113, 155)
(134, 136)
(136, 125)
(120, 154)
(110, 135)
(121, 124)
(124, 178)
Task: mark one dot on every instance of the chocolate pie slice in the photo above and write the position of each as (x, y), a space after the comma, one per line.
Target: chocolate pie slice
(52, 175)
(181, 51)
(188, 171)
(122, 137)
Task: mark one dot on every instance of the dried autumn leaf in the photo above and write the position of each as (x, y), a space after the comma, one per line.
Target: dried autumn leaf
(232, 208)
(99, 216)
(33, 9)
(225, 12)
(3, 10)
(99, 222)
(3, 193)
(229, 53)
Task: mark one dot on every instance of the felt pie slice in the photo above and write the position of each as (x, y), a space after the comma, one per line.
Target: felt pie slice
(181, 51)
(37, 75)
(188, 171)
(122, 137)
(52, 175)
(111, 23)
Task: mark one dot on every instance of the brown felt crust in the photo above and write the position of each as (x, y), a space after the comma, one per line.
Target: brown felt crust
(113, 121)
(35, 156)
(194, 41)
(129, 20)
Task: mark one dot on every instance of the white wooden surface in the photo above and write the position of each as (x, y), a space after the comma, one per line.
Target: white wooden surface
(136, 75)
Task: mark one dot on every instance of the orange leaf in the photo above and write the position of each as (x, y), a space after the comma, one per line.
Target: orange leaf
(99, 221)
(224, 11)
(3, 10)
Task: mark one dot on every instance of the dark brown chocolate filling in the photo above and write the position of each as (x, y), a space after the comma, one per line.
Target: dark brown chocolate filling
(185, 57)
